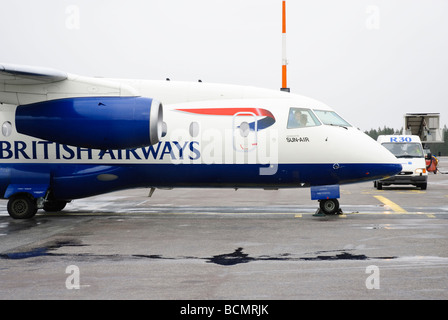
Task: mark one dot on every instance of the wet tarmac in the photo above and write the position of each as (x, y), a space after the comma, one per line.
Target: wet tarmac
(238, 245)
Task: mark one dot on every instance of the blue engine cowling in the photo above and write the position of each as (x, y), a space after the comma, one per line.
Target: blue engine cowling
(94, 122)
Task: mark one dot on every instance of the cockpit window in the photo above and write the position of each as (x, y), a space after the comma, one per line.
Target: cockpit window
(300, 118)
(331, 118)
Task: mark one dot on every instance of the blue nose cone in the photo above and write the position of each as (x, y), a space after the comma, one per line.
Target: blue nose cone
(361, 172)
(385, 170)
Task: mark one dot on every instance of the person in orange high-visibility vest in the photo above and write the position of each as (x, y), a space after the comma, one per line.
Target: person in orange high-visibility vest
(431, 164)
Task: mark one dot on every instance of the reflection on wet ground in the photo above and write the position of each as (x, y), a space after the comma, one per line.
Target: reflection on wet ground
(9, 226)
(227, 259)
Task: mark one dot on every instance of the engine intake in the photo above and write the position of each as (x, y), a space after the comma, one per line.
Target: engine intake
(94, 122)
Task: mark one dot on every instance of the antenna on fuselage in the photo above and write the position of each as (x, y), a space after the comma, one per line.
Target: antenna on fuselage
(284, 60)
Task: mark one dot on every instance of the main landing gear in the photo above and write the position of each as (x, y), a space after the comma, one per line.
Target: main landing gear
(25, 206)
(22, 206)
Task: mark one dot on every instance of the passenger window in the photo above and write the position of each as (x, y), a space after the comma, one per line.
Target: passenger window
(6, 128)
(244, 129)
(194, 129)
(164, 129)
(300, 118)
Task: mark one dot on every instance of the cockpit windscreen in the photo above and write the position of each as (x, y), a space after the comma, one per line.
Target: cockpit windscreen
(302, 117)
(331, 118)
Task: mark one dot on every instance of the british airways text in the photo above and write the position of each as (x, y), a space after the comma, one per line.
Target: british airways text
(44, 150)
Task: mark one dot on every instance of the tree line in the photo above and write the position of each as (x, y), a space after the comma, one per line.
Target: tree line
(438, 149)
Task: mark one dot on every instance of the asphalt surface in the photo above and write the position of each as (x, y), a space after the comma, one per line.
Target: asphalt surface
(189, 244)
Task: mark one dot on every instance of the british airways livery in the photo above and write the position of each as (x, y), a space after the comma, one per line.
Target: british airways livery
(66, 137)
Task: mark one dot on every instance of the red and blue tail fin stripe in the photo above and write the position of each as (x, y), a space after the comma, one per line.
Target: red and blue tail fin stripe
(263, 123)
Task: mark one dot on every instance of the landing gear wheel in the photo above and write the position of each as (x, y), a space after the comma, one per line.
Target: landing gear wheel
(329, 206)
(22, 206)
(54, 206)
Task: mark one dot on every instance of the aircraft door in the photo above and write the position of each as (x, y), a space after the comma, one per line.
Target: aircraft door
(244, 131)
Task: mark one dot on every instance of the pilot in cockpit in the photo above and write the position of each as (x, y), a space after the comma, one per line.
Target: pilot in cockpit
(297, 120)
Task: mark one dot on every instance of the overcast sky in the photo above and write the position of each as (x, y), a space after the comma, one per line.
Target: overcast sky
(371, 60)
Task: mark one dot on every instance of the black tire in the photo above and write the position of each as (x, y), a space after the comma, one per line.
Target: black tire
(54, 206)
(329, 206)
(379, 186)
(22, 206)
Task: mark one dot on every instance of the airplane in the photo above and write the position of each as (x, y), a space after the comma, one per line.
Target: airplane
(66, 137)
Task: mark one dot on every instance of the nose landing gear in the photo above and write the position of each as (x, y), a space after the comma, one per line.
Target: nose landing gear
(327, 197)
(328, 207)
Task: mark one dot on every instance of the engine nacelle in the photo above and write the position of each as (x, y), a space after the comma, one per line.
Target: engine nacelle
(94, 122)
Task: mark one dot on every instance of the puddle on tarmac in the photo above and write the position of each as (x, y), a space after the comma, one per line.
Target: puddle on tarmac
(238, 257)
(42, 251)
(12, 226)
(227, 259)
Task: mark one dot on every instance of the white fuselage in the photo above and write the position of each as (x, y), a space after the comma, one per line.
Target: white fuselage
(214, 135)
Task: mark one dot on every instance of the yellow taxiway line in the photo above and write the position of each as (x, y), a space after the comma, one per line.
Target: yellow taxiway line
(395, 207)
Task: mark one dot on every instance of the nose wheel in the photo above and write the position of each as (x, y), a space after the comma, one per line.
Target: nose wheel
(328, 207)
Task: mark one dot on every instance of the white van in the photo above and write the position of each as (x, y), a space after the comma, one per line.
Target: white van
(408, 149)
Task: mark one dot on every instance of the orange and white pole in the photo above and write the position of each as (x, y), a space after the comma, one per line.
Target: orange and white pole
(284, 60)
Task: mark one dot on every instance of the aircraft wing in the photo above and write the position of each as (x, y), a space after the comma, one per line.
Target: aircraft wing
(23, 75)
(20, 85)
